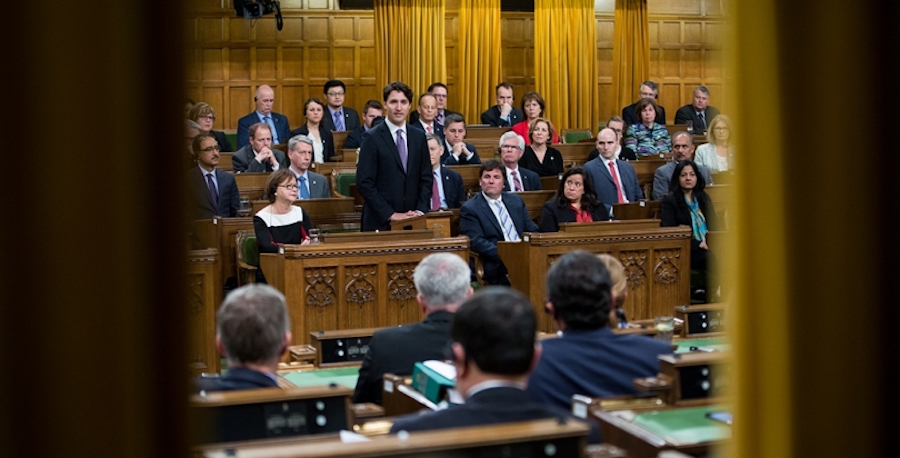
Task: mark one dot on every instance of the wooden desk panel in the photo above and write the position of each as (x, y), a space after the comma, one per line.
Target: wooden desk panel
(534, 202)
(645, 168)
(204, 283)
(493, 133)
(340, 138)
(219, 233)
(574, 154)
(656, 260)
(470, 178)
(251, 185)
(225, 162)
(366, 284)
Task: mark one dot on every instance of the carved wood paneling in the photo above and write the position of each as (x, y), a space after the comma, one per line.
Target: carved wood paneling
(402, 306)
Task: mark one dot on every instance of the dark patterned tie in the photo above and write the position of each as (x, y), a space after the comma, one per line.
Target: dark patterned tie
(401, 148)
(212, 189)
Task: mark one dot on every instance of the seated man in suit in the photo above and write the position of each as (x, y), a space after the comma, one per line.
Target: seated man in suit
(503, 114)
(456, 150)
(338, 117)
(698, 112)
(615, 180)
(618, 125)
(442, 283)
(252, 332)
(683, 147)
(372, 110)
(447, 189)
(427, 109)
(512, 146)
(212, 192)
(491, 216)
(494, 349)
(258, 155)
(278, 123)
(648, 89)
(310, 184)
(439, 91)
(393, 174)
(588, 358)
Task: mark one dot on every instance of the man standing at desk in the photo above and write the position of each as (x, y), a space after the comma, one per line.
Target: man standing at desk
(442, 281)
(394, 171)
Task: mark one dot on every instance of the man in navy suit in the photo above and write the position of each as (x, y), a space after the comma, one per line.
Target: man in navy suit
(338, 117)
(503, 114)
(492, 216)
(698, 112)
(393, 174)
(439, 91)
(311, 185)
(258, 155)
(373, 109)
(252, 332)
(427, 109)
(494, 349)
(614, 180)
(512, 146)
(650, 90)
(588, 358)
(212, 192)
(277, 122)
(447, 189)
(456, 150)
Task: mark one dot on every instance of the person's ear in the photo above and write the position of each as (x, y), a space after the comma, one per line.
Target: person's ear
(422, 306)
(459, 359)
(550, 309)
(285, 344)
(219, 347)
(537, 356)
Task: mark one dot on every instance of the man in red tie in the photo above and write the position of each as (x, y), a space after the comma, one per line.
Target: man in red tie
(447, 189)
(427, 110)
(614, 180)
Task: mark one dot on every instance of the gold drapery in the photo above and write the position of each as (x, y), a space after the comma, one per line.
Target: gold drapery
(479, 58)
(409, 43)
(565, 60)
(631, 51)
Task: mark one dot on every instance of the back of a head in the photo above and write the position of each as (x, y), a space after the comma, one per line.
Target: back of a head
(442, 280)
(616, 274)
(578, 285)
(496, 328)
(252, 323)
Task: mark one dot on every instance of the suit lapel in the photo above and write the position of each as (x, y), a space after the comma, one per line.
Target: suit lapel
(485, 208)
(514, 220)
(205, 186)
(385, 134)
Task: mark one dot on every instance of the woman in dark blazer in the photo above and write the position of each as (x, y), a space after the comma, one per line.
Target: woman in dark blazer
(205, 116)
(574, 201)
(323, 141)
(689, 205)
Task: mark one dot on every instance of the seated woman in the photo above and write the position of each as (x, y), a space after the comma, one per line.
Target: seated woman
(280, 223)
(539, 157)
(619, 290)
(647, 138)
(718, 153)
(533, 107)
(574, 202)
(689, 205)
(205, 116)
(323, 141)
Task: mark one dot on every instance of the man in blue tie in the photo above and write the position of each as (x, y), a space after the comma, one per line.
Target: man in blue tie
(338, 117)
(311, 184)
(278, 123)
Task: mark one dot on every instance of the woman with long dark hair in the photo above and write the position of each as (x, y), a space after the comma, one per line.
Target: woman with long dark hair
(574, 202)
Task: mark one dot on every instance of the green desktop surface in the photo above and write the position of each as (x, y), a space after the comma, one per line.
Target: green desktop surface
(684, 426)
(718, 343)
(345, 376)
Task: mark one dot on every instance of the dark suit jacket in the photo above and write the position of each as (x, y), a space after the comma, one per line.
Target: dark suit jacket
(354, 138)
(606, 188)
(687, 113)
(438, 129)
(448, 159)
(222, 140)
(327, 139)
(477, 221)
(663, 176)
(552, 215)
(488, 407)
(414, 116)
(202, 206)
(531, 181)
(596, 363)
(351, 119)
(237, 378)
(674, 211)
(626, 154)
(630, 117)
(396, 350)
(281, 126)
(244, 161)
(492, 117)
(454, 192)
(383, 183)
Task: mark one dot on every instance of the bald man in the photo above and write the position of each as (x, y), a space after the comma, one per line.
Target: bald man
(278, 123)
(614, 180)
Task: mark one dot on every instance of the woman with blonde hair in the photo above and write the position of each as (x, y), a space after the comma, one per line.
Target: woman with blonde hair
(619, 290)
(717, 155)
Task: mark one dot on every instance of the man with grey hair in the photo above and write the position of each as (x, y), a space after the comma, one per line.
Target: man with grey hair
(648, 90)
(683, 149)
(698, 111)
(512, 146)
(442, 282)
(310, 184)
(252, 333)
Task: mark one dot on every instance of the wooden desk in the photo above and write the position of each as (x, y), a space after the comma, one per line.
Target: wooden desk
(251, 185)
(204, 290)
(534, 202)
(574, 154)
(645, 168)
(645, 209)
(470, 178)
(225, 164)
(340, 138)
(656, 260)
(325, 168)
(367, 284)
(219, 233)
(437, 221)
(722, 196)
(494, 133)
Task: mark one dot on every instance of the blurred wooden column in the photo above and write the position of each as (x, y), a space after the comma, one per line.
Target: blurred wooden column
(92, 291)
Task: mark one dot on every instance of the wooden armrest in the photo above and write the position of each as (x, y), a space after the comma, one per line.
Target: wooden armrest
(479, 267)
(659, 383)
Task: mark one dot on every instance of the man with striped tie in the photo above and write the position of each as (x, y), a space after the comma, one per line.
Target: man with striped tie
(492, 216)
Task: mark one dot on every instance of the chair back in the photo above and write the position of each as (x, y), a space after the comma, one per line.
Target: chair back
(248, 249)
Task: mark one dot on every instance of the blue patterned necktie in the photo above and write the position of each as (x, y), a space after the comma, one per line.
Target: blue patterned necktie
(304, 193)
(509, 229)
(268, 120)
(338, 121)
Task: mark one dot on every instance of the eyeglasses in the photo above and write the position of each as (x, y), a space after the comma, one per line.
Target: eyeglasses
(210, 117)
(334, 94)
(721, 128)
(292, 187)
(439, 96)
(210, 148)
(509, 147)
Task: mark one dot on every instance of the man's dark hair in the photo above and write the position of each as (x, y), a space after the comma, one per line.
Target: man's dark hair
(372, 104)
(434, 85)
(454, 117)
(496, 328)
(504, 85)
(490, 164)
(675, 181)
(195, 144)
(578, 285)
(397, 86)
(334, 83)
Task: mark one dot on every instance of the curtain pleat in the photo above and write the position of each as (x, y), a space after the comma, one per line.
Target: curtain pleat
(479, 58)
(631, 50)
(409, 43)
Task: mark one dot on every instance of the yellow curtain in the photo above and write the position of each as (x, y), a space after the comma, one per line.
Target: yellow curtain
(565, 59)
(479, 58)
(631, 51)
(409, 43)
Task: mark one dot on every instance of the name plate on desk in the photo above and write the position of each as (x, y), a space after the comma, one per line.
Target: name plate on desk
(341, 348)
(706, 319)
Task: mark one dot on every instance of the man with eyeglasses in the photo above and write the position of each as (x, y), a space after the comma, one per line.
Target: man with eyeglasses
(258, 156)
(310, 185)
(512, 146)
(277, 122)
(212, 192)
(648, 90)
(683, 147)
(439, 91)
(338, 117)
(617, 125)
